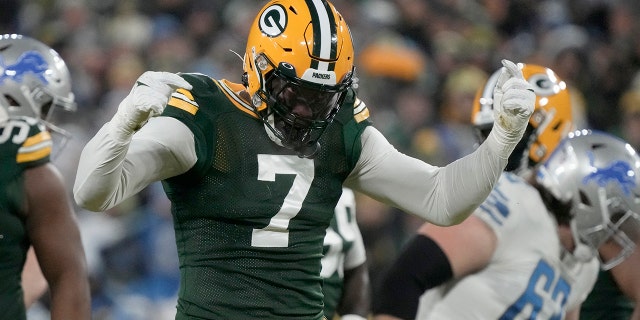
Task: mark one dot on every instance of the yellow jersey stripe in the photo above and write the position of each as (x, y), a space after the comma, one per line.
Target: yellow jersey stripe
(363, 115)
(42, 136)
(186, 93)
(184, 105)
(360, 111)
(233, 97)
(34, 152)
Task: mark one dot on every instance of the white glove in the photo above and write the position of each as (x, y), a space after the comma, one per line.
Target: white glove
(147, 99)
(513, 104)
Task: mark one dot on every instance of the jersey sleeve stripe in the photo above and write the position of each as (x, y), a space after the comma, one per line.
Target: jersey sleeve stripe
(360, 111)
(186, 93)
(35, 152)
(182, 104)
(237, 102)
(358, 106)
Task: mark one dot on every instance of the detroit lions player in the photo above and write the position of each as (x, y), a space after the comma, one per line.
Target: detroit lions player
(254, 170)
(35, 209)
(504, 261)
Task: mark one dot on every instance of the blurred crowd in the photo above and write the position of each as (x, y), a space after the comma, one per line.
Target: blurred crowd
(419, 63)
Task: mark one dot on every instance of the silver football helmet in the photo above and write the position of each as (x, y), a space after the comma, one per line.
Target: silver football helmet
(598, 176)
(34, 80)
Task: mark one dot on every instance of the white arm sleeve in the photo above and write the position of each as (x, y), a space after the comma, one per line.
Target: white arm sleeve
(110, 172)
(441, 195)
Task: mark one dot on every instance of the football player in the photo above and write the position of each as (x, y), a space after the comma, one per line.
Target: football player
(35, 209)
(596, 176)
(616, 294)
(346, 286)
(504, 261)
(254, 170)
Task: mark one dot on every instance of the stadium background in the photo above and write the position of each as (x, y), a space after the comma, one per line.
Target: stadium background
(419, 62)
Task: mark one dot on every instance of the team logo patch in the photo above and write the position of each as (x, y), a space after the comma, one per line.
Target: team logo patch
(273, 20)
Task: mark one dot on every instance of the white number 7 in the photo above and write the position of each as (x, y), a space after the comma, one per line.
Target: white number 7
(276, 234)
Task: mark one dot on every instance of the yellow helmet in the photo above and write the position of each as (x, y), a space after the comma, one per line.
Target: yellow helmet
(550, 122)
(298, 53)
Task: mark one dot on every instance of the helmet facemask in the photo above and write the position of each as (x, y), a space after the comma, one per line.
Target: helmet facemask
(297, 112)
(619, 225)
(599, 176)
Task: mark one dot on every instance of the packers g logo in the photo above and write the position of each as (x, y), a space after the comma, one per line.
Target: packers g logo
(273, 20)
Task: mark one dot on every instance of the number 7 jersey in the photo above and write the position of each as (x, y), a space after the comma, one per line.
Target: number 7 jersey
(250, 216)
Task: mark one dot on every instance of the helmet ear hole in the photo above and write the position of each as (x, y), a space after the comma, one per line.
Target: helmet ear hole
(584, 199)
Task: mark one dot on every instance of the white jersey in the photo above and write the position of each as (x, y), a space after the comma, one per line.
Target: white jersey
(527, 278)
(344, 248)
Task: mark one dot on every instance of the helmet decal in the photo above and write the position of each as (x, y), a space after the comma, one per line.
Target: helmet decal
(619, 172)
(324, 35)
(28, 62)
(273, 20)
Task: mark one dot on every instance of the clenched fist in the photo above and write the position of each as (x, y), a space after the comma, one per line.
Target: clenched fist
(147, 99)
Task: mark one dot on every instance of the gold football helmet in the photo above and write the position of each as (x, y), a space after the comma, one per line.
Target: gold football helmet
(550, 122)
(298, 66)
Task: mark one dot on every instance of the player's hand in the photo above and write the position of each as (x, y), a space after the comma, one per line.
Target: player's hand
(147, 99)
(513, 104)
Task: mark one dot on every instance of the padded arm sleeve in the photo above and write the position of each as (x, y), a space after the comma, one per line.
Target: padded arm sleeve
(421, 266)
(110, 171)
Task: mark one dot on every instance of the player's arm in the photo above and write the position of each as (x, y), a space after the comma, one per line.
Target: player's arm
(356, 300)
(110, 171)
(573, 314)
(34, 284)
(355, 303)
(446, 195)
(135, 148)
(54, 234)
(627, 277)
(434, 256)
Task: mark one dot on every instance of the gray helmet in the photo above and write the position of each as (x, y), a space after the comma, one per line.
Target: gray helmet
(34, 80)
(598, 175)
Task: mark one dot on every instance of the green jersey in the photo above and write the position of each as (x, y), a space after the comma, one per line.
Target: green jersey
(606, 301)
(24, 143)
(250, 216)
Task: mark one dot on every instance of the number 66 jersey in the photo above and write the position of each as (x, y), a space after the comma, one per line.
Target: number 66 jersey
(529, 276)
